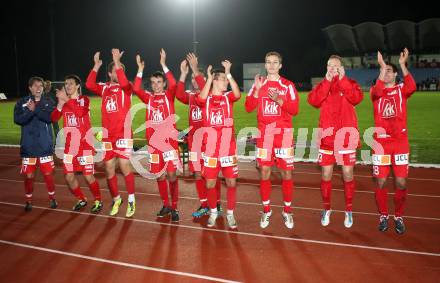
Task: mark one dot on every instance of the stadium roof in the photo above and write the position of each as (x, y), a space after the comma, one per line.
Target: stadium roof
(369, 37)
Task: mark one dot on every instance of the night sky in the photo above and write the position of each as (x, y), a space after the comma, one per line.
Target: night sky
(239, 30)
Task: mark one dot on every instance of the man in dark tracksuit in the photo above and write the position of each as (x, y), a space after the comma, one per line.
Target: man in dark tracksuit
(32, 113)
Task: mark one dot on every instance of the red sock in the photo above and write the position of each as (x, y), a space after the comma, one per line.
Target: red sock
(78, 193)
(218, 189)
(326, 192)
(94, 188)
(399, 201)
(113, 186)
(28, 188)
(231, 198)
(265, 190)
(174, 192)
(129, 183)
(163, 191)
(349, 192)
(382, 200)
(50, 185)
(201, 191)
(287, 186)
(212, 198)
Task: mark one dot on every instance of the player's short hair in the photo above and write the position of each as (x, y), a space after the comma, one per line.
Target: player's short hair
(110, 67)
(393, 66)
(34, 79)
(76, 79)
(158, 74)
(73, 77)
(216, 72)
(274, 53)
(337, 57)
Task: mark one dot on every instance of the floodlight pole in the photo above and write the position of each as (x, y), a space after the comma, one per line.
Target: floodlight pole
(194, 12)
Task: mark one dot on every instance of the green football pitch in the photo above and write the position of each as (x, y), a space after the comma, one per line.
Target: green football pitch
(423, 123)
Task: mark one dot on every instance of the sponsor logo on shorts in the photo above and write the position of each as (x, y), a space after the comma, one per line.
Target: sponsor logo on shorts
(401, 159)
(381, 159)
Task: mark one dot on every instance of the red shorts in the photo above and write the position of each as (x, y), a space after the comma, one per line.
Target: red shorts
(79, 163)
(121, 148)
(163, 161)
(29, 164)
(395, 154)
(276, 149)
(343, 157)
(213, 165)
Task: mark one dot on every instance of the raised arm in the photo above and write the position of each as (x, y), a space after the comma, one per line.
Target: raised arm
(201, 99)
(181, 94)
(409, 84)
(57, 113)
(376, 91)
(234, 86)
(137, 87)
(122, 78)
(194, 65)
(91, 79)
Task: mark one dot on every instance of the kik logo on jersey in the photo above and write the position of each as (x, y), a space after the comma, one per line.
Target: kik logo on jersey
(196, 113)
(270, 107)
(110, 104)
(157, 114)
(389, 108)
(71, 119)
(217, 117)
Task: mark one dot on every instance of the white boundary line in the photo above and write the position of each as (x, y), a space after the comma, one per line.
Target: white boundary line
(252, 203)
(364, 247)
(252, 158)
(255, 171)
(114, 262)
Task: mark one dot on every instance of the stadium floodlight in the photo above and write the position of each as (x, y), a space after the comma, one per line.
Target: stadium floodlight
(194, 24)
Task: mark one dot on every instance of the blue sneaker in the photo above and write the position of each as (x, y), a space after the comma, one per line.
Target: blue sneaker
(200, 212)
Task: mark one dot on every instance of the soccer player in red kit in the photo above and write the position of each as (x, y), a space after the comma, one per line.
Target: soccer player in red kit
(160, 133)
(32, 113)
(336, 96)
(276, 101)
(196, 146)
(78, 152)
(391, 148)
(116, 120)
(221, 148)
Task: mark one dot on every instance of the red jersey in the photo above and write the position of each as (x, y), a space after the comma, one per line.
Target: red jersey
(76, 120)
(390, 107)
(159, 105)
(218, 115)
(115, 106)
(336, 101)
(270, 111)
(195, 112)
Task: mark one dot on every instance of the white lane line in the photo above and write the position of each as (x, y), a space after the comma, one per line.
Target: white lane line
(245, 203)
(255, 171)
(328, 243)
(114, 262)
(306, 188)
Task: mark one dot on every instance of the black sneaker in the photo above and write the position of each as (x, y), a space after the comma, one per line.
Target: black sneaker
(164, 211)
(79, 205)
(383, 223)
(53, 203)
(28, 206)
(174, 215)
(400, 226)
